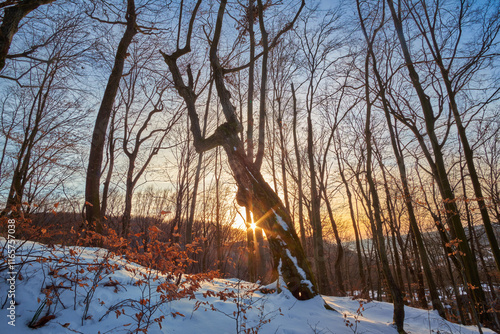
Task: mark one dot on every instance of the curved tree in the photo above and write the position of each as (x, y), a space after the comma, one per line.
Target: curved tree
(268, 210)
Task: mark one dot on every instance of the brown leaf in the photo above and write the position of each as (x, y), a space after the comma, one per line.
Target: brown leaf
(154, 229)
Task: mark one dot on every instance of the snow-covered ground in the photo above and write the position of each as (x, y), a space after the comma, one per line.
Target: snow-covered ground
(122, 296)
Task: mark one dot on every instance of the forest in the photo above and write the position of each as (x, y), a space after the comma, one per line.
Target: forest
(343, 148)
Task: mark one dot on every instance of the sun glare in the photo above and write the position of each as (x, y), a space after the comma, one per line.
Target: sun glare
(253, 226)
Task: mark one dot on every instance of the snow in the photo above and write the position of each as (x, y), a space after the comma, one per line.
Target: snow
(280, 221)
(248, 307)
(299, 269)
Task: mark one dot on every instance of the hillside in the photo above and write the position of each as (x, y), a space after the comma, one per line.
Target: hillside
(58, 283)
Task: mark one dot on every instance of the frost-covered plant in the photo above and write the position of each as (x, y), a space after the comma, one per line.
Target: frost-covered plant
(244, 297)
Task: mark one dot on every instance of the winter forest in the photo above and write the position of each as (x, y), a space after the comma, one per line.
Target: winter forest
(326, 148)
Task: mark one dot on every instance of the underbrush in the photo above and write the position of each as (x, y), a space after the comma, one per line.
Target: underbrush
(144, 275)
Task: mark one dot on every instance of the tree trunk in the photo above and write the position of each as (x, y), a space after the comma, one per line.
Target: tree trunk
(378, 232)
(111, 165)
(263, 87)
(267, 208)
(364, 286)
(299, 173)
(283, 155)
(218, 232)
(392, 227)
(92, 202)
(189, 225)
(315, 216)
(339, 280)
(127, 212)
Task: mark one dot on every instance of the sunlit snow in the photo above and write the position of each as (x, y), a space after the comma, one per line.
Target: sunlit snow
(250, 308)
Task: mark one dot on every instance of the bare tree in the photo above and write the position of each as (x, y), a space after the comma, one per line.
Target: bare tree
(317, 43)
(41, 113)
(92, 185)
(361, 268)
(444, 38)
(374, 203)
(400, 161)
(439, 170)
(139, 132)
(267, 208)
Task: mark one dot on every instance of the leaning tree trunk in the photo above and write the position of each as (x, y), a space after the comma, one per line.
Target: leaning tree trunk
(268, 210)
(92, 203)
